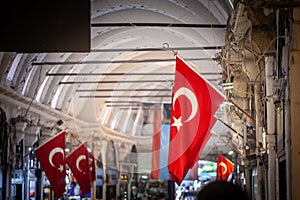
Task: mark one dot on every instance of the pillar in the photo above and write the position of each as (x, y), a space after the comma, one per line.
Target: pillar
(17, 138)
(271, 137)
(259, 125)
(31, 136)
(247, 165)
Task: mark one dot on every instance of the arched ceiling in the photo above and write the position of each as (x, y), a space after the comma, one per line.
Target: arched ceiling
(128, 71)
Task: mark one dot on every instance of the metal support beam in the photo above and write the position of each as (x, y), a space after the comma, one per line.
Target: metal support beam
(242, 110)
(132, 102)
(110, 74)
(125, 90)
(115, 81)
(166, 25)
(126, 96)
(125, 81)
(123, 74)
(159, 49)
(231, 128)
(117, 61)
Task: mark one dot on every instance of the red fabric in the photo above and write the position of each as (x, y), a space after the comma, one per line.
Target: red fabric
(78, 161)
(194, 102)
(92, 167)
(207, 136)
(224, 168)
(52, 158)
(156, 143)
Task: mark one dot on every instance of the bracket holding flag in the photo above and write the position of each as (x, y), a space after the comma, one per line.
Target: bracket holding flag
(194, 101)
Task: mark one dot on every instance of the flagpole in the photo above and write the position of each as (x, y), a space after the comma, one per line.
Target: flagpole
(230, 128)
(240, 109)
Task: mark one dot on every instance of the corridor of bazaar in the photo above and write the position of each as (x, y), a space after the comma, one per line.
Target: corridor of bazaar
(137, 99)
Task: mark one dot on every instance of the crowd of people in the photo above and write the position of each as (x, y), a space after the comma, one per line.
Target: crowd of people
(215, 190)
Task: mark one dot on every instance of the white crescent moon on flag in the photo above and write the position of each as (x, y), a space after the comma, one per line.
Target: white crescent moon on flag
(222, 164)
(192, 98)
(81, 157)
(53, 152)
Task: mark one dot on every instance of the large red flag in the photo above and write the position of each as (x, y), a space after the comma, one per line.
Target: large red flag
(194, 102)
(224, 168)
(52, 158)
(78, 162)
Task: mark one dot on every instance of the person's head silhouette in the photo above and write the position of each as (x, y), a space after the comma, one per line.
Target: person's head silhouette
(221, 190)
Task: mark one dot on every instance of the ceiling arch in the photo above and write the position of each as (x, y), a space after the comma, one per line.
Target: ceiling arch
(71, 83)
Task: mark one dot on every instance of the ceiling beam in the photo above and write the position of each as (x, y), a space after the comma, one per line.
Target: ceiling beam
(115, 81)
(166, 25)
(125, 96)
(159, 49)
(127, 90)
(126, 81)
(132, 102)
(124, 105)
(117, 61)
(131, 106)
(123, 74)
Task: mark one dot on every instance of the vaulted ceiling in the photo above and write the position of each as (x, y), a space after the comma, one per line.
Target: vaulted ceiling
(111, 91)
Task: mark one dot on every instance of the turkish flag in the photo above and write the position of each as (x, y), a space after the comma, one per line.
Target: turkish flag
(224, 168)
(52, 158)
(78, 161)
(92, 167)
(194, 101)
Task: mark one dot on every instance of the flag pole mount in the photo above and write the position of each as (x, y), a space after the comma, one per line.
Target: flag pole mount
(166, 45)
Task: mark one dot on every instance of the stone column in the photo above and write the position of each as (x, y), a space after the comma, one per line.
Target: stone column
(17, 138)
(258, 127)
(271, 137)
(31, 136)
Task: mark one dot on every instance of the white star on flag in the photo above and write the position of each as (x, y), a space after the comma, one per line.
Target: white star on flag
(61, 168)
(177, 122)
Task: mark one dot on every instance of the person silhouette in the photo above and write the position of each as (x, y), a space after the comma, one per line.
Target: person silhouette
(221, 190)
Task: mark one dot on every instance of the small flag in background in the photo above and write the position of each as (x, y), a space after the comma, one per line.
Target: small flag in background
(194, 101)
(78, 161)
(224, 168)
(52, 158)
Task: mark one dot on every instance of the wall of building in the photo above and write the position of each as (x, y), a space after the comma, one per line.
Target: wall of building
(295, 106)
